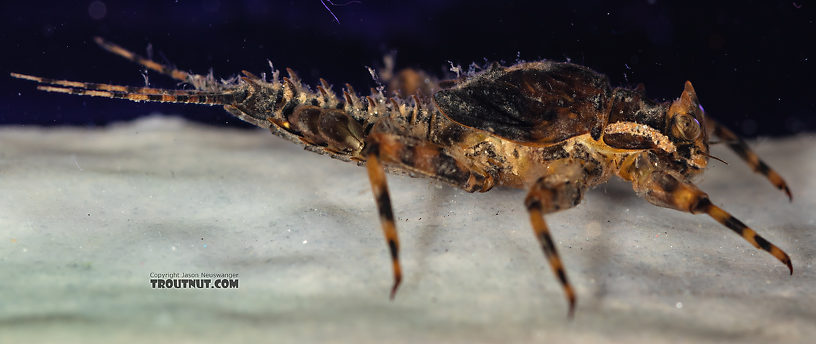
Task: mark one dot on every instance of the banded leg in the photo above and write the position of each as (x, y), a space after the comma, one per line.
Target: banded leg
(741, 148)
(376, 175)
(665, 190)
(548, 195)
(431, 160)
(422, 157)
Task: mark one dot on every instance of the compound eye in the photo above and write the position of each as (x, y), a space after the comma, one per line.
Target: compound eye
(686, 127)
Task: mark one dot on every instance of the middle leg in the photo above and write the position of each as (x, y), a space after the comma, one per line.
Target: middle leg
(551, 193)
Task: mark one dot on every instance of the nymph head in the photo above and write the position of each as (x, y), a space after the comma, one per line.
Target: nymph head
(686, 128)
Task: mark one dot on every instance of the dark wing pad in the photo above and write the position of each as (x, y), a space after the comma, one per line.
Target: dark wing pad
(539, 102)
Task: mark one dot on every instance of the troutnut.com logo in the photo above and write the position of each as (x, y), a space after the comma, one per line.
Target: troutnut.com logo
(203, 280)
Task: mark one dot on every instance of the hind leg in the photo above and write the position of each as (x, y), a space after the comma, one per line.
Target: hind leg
(420, 157)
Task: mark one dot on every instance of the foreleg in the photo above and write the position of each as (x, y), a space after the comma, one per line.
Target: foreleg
(666, 190)
(741, 148)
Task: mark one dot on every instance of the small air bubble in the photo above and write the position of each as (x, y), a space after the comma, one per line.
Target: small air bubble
(678, 305)
(305, 242)
(749, 127)
(97, 10)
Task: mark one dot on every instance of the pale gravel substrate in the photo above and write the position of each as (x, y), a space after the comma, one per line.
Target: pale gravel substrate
(86, 215)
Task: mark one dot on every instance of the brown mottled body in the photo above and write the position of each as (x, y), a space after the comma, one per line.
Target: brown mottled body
(555, 129)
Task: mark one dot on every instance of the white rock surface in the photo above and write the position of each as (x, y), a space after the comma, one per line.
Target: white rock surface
(87, 214)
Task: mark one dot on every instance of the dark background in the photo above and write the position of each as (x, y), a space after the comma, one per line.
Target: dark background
(751, 62)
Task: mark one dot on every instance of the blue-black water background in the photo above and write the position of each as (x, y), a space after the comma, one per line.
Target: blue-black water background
(751, 62)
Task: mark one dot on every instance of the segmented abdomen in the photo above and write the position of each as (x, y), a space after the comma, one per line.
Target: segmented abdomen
(326, 123)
